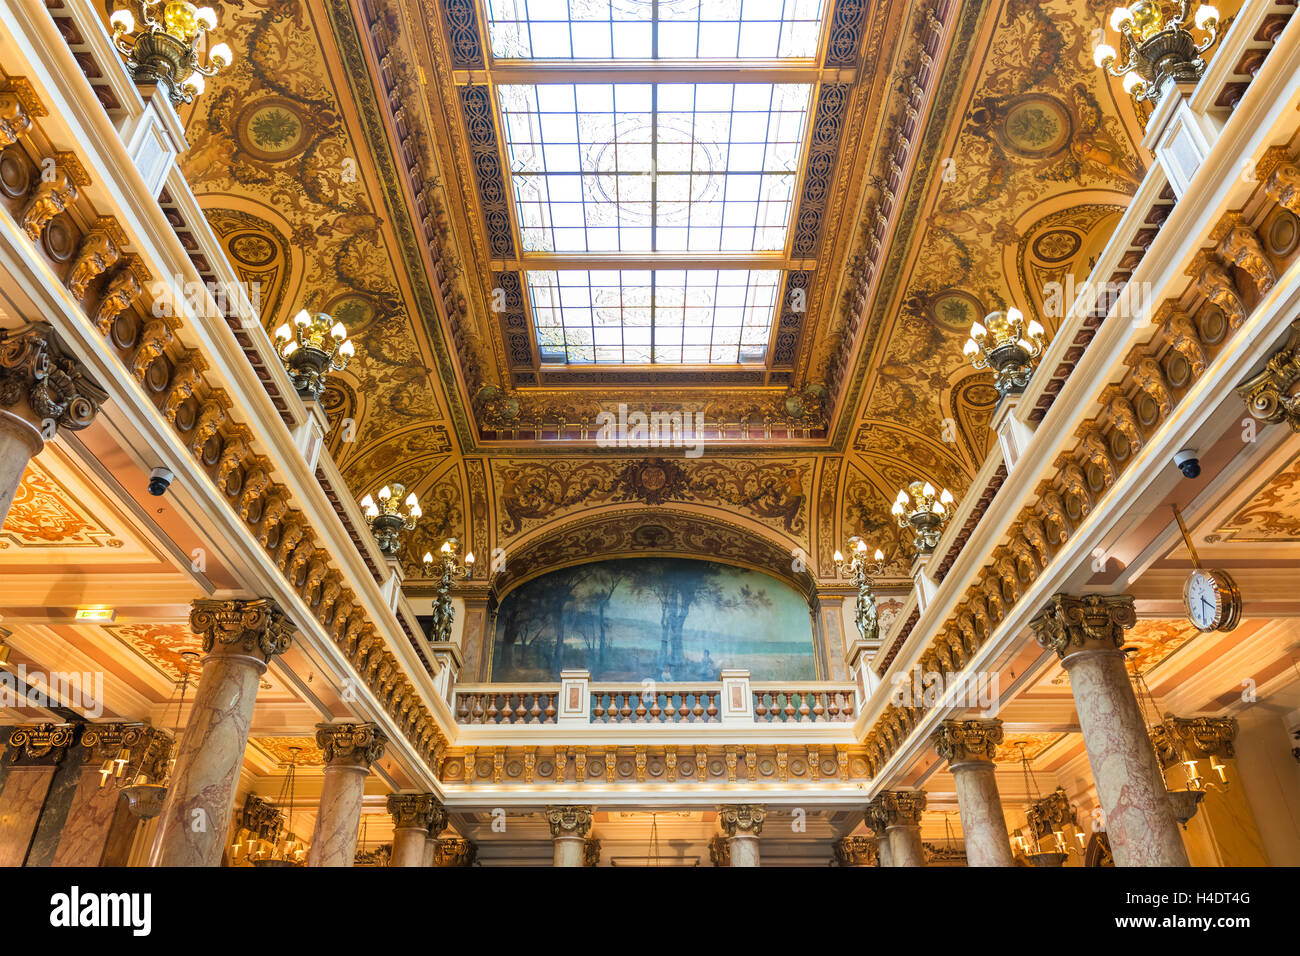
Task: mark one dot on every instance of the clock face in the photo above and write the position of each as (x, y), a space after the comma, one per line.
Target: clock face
(1204, 601)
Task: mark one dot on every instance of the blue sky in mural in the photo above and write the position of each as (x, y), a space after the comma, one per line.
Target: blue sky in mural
(660, 618)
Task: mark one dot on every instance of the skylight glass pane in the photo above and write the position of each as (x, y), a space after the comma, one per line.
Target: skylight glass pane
(628, 29)
(661, 317)
(665, 167)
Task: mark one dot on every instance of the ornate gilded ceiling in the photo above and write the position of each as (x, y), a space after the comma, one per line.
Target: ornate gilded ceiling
(974, 158)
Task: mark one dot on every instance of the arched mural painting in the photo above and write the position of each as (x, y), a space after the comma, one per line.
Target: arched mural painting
(653, 618)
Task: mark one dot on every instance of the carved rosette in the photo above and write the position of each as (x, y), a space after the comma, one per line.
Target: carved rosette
(454, 852)
(855, 851)
(350, 745)
(1093, 622)
(744, 819)
(257, 627)
(963, 741)
(569, 821)
(417, 811)
(1194, 738)
(1272, 396)
(39, 744)
(895, 808)
(37, 369)
(147, 748)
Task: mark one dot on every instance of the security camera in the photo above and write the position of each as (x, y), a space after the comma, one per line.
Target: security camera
(1188, 463)
(160, 480)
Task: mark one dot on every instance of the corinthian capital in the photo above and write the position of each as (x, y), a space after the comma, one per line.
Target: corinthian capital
(569, 821)
(1271, 395)
(454, 852)
(420, 811)
(350, 745)
(895, 808)
(744, 818)
(35, 368)
(855, 851)
(1093, 622)
(254, 627)
(961, 741)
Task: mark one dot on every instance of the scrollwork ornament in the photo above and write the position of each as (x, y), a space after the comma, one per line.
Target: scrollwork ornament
(1274, 394)
(962, 741)
(569, 821)
(254, 627)
(1069, 624)
(35, 366)
(353, 745)
(744, 818)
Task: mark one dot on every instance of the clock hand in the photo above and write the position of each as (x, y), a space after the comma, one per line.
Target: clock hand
(1207, 604)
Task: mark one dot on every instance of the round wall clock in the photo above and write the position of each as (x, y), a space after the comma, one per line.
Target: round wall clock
(1212, 600)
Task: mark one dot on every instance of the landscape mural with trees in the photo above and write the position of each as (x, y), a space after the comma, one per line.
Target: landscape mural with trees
(659, 618)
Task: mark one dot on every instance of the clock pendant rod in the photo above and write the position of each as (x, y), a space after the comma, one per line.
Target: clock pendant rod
(1187, 538)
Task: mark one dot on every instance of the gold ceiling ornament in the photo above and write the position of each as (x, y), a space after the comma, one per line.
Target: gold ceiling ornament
(255, 626)
(387, 522)
(1158, 49)
(861, 572)
(569, 821)
(1274, 394)
(1044, 816)
(925, 511)
(311, 347)
(166, 51)
(444, 614)
(742, 818)
(417, 811)
(895, 808)
(42, 744)
(1007, 344)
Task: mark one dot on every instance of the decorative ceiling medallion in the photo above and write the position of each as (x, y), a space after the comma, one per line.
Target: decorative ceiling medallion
(272, 129)
(278, 749)
(159, 644)
(956, 310)
(1034, 125)
(1057, 245)
(251, 249)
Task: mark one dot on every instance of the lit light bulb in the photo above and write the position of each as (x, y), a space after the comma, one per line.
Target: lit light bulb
(338, 332)
(928, 490)
(1036, 330)
(122, 21)
(902, 497)
(195, 83)
(303, 318)
(347, 349)
(838, 558)
(1105, 53)
(1206, 15)
(1118, 17)
(977, 330)
(411, 500)
(385, 493)
(289, 349)
(946, 497)
(1131, 83)
(415, 512)
(220, 56)
(469, 557)
(880, 555)
(428, 558)
(897, 509)
(860, 546)
(283, 332)
(1014, 315)
(207, 17)
(970, 348)
(446, 547)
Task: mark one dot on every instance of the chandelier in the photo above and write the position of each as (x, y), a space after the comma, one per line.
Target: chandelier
(133, 777)
(314, 346)
(450, 568)
(283, 848)
(166, 51)
(387, 522)
(1045, 815)
(861, 572)
(924, 511)
(1158, 50)
(1004, 343)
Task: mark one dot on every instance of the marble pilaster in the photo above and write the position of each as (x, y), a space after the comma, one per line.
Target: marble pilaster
(33, 755)
(417, 819)
(569, 829)
(349, 751)
(1086, 633)
(239, 639)
(969, 746)
(742, 823)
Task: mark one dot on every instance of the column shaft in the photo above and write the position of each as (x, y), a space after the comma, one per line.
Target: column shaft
(334, 840)
(983, 825)
(744, 850)
(905, 845)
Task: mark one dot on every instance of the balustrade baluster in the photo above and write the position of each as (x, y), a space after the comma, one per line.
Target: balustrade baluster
(711, 713)
(760, 704)
(534, 712)
(550, 709)
(804, 709)
(625, 712)
(698, 710)
(789, 711)
(492, 709)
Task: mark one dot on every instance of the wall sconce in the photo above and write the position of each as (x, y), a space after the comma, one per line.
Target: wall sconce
(310, 349)
(1157, 52)
(925, 511)
(166, 51)
(387, 522)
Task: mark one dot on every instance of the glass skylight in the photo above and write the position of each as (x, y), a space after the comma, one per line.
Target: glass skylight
(654, 29)
(663, 167)
(661, 316)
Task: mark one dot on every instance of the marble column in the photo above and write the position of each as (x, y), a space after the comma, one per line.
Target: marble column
(103, 817)
(855, 851)
(742, 823)
(454, 851)
(899, 813)
(239, 639)
(32, 757)
(417, 819)
(569, 829)
(42, 388)
(968, 746)
(349, 751)
(875, 820)
(1086, 633)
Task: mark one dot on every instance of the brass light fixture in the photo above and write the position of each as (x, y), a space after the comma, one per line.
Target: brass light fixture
(1183, 802)
(925, 511)
(1041, 817)
(145, 799)
(286, 848)
(387, 522)
(1158, 50)
(312, 347)
(165, 51)
(861, 572)
(1009, 346)
(451, 567)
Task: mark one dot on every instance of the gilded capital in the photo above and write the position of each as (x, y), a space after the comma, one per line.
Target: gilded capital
(417, 811)
(350, 745)
(454, 852)
(1194, 738)
(961, 741)
(569, 821)
(256, 627)
(146, 749)
(1093, 622)
(855, 851)
(895, 808)
(39, 744)
(38, 371)
(1048, 814)
(1271, 396)
(743, 819)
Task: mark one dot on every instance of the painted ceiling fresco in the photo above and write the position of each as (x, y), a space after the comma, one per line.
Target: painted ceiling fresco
(336, 163)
